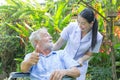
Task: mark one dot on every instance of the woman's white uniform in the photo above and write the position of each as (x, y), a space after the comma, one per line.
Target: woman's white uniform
(77, 47)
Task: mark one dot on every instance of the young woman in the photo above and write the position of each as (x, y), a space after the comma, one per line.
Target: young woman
(83, 39)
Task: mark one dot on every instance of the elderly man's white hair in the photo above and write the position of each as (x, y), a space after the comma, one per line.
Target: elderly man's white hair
(35, 35)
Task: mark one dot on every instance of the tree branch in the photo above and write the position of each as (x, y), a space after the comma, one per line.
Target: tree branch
(93, 9)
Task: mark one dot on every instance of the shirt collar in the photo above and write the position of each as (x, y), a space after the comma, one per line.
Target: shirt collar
(51, 53)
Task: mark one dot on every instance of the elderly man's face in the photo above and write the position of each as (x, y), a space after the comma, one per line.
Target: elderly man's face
(46, 41)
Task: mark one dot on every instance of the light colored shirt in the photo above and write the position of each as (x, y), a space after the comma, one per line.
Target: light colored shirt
(77, 47)
(56, 60)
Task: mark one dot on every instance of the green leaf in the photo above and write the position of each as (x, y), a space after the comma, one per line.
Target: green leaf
(66, 20)
(24, 30)
(117, 46)
(14, 28)
(28, 26)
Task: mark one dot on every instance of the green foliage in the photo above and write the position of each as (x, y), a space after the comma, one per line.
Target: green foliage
(102, 58)
(117, 51)
(10, 47)
(6, 40)
(100, 73)
(117, 63)
(33, 15)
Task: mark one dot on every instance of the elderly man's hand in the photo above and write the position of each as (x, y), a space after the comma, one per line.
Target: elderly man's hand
(34, 57)
(58, 75)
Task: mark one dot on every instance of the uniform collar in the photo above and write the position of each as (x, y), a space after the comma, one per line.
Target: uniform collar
(87, 37)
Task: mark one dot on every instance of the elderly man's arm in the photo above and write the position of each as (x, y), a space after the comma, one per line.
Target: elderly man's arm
(30, 61)
(25, 66)
(73, 72)
(59, 74)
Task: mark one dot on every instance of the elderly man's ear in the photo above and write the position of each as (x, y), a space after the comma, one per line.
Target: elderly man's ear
(36, 42)
(38, 46)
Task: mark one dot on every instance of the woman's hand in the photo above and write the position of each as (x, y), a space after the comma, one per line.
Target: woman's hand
(80, 62)
(86, 57)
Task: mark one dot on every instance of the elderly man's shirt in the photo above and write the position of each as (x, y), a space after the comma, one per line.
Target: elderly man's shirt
(47, 64)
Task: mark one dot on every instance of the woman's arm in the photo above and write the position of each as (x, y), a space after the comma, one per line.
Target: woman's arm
(60, 42)
(89, 53)
(87, 56)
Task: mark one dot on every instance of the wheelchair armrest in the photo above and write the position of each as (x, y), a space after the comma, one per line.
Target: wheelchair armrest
(14, 75)
(68, 78)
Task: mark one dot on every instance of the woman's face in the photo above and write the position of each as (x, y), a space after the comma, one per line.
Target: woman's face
(84, 25)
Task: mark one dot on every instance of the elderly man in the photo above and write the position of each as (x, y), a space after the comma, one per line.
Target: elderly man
(45, 64)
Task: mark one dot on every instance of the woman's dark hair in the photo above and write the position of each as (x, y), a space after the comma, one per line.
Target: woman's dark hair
(88, 14)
